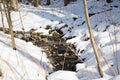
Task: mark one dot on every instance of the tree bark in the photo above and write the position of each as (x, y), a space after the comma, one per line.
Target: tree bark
(29, 0)
(19, 0)
(14, 5)
(36, 3)
(66, 2)
(7, 12)
(92, 39)
(2, 18)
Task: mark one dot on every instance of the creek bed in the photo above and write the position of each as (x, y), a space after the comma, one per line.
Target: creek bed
(61, 54)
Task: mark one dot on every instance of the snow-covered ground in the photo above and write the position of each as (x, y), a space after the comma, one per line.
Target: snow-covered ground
(29, 61)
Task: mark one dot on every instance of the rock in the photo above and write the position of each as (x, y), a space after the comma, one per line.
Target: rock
(109, 1)
(27, 35)
(48, 27)
(91, 14)
(19, 36)
(75, 18)
(62, 25)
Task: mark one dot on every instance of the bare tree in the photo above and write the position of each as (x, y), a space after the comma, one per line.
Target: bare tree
(7, 12)
(92, 39)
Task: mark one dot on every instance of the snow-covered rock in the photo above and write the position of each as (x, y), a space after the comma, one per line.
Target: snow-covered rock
(80, 66)
(63, 75)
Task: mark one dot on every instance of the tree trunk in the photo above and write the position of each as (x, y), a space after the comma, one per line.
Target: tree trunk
(66, 2)
(14, 5)
(36, 3)
(29, 0)
(19, 0)
(39, 2)
(7, 13)
(92, 39)
(48, 2)
(2, 16)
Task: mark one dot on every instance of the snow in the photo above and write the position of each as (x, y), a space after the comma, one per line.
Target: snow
(42, 31)
(63, 75)
(116, 78)
(80, 66)
(24, 63)
(30, 62)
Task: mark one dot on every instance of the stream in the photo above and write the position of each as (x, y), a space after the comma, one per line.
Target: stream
(61, 54)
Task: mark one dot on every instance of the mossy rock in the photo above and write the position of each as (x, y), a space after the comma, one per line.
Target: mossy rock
(48, 27)
(50, 31)
(55, 35)
(44, 36)
(39, 33)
